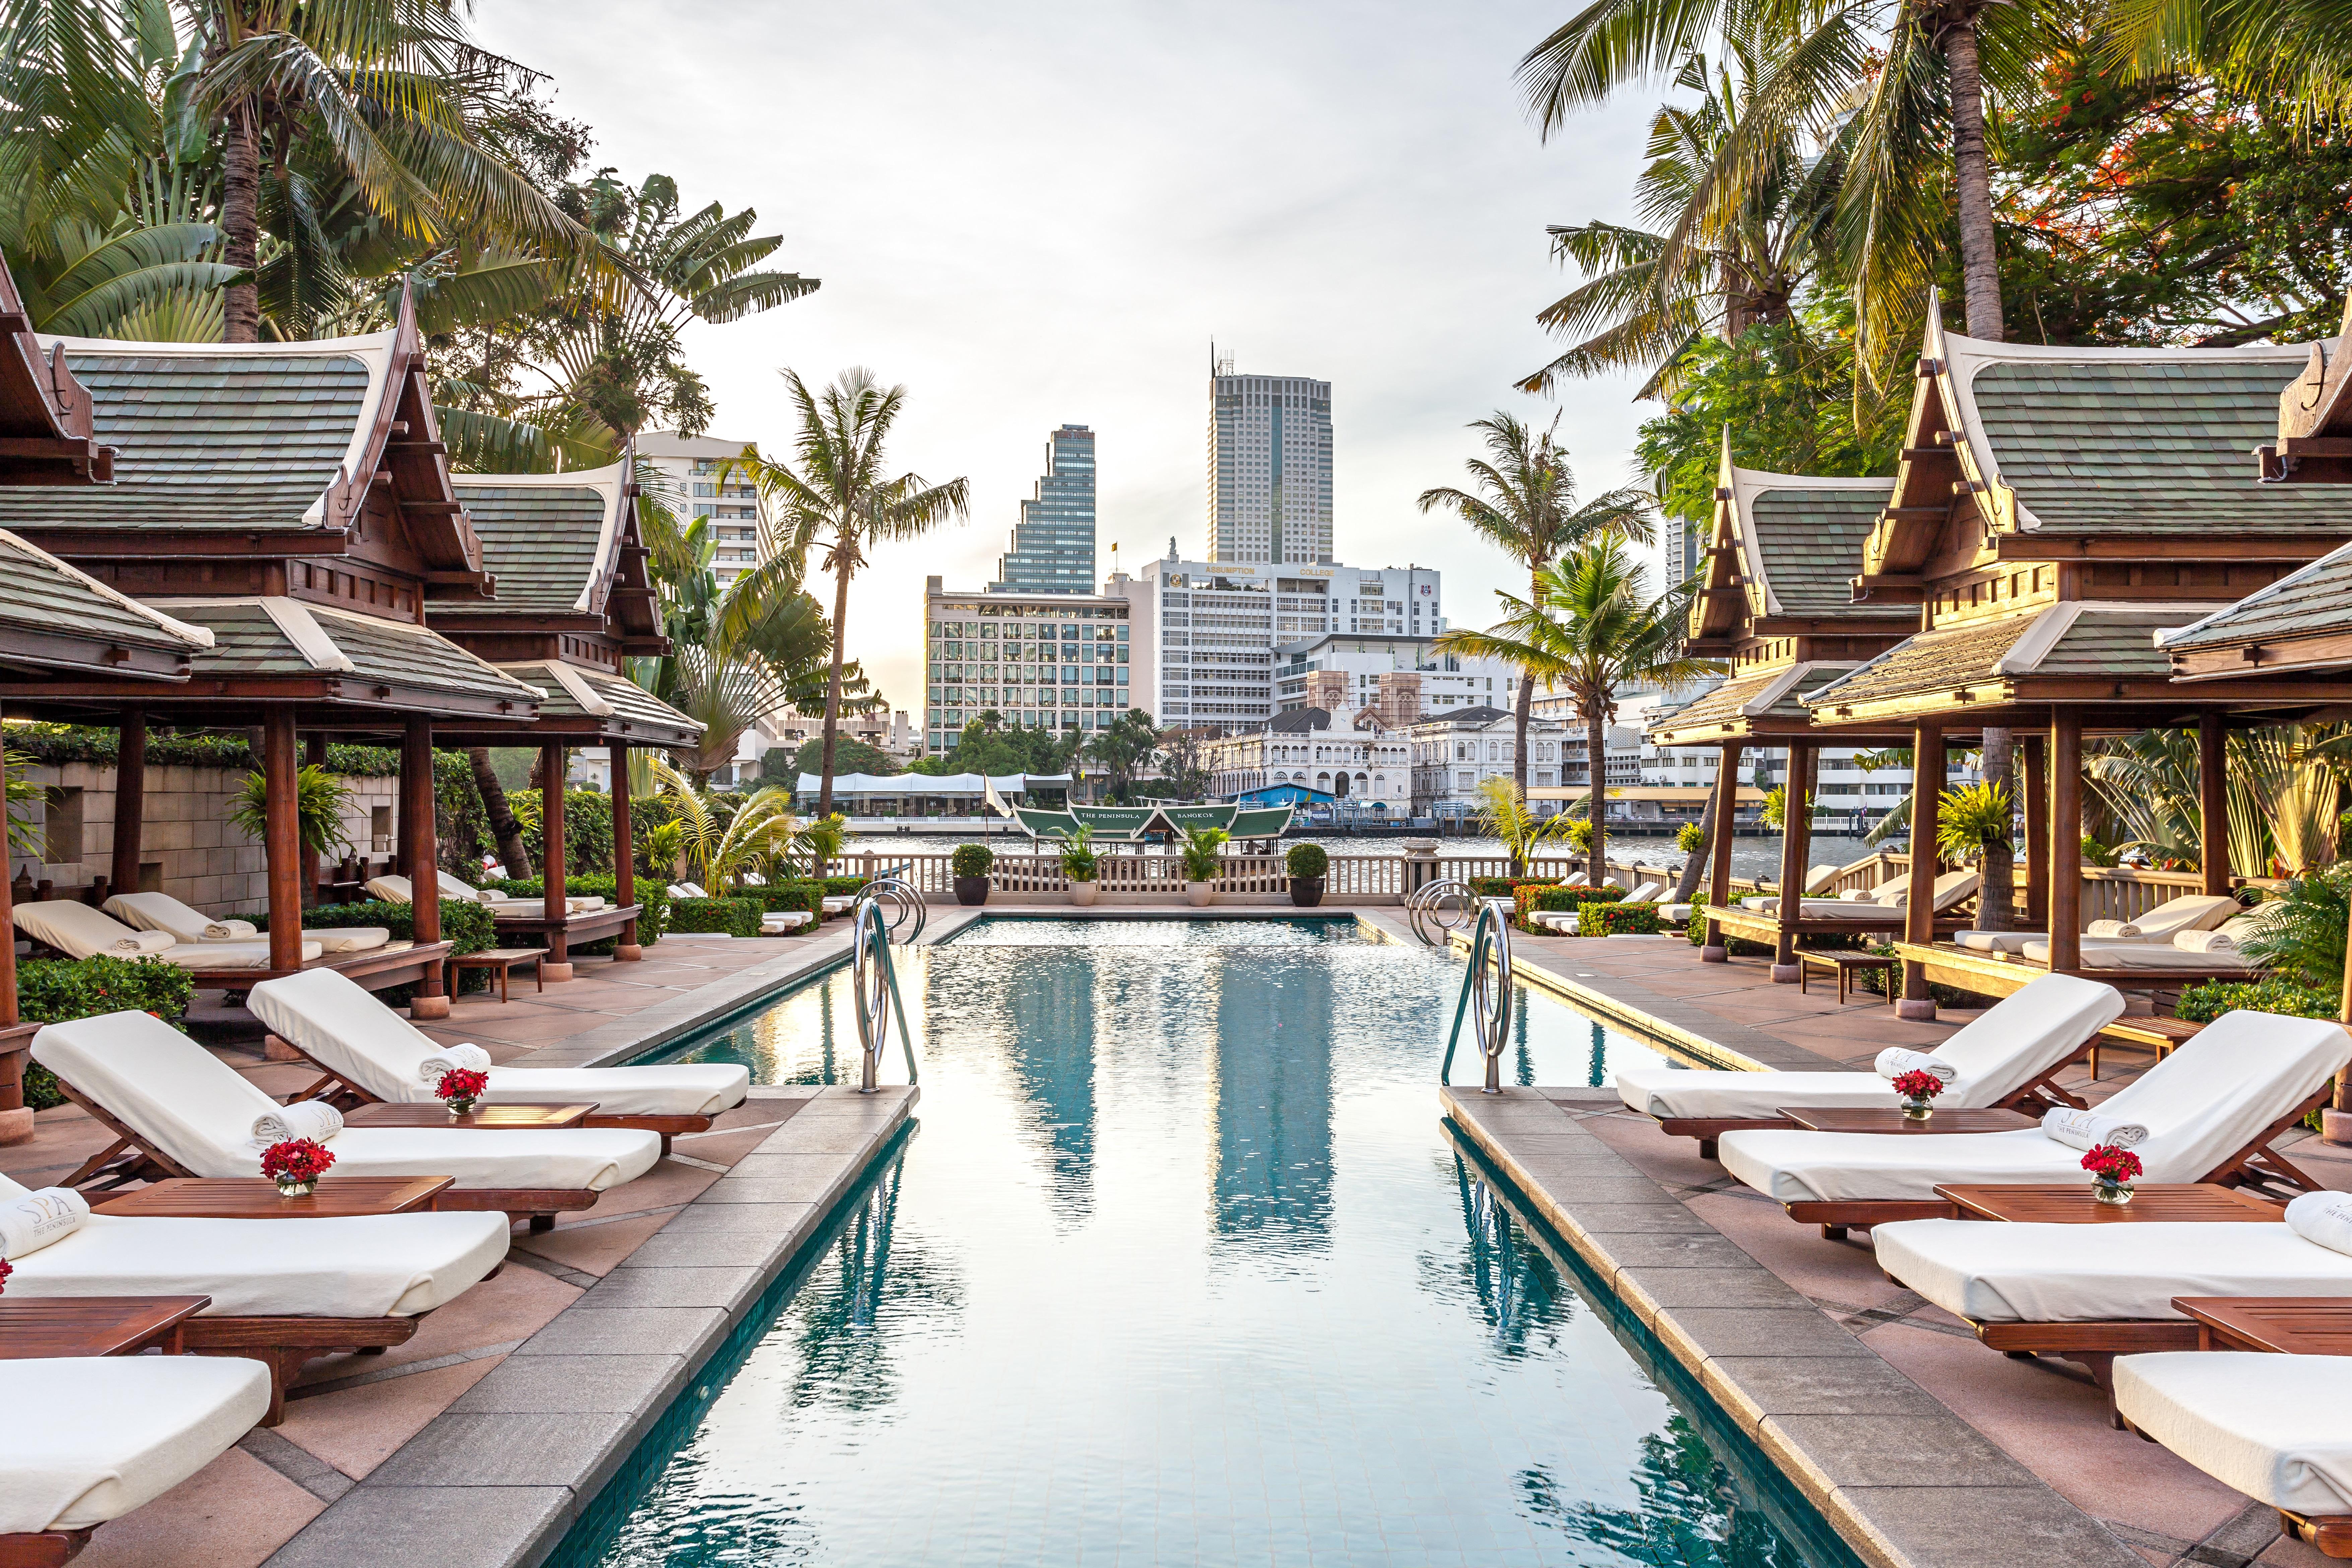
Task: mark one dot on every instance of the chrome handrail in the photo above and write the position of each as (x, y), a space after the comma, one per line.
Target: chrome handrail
(906, 901)
(1426, 906)
(874, 993)
(1487, 997)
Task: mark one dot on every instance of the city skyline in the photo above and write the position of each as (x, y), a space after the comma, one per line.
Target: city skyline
(1269, 482)
(1052, 550)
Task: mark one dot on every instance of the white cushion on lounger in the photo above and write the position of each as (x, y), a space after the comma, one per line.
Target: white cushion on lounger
(1996, 941)
(2271, 1427)
(199, 1111)
(78, 930)
(369, 1265)
(2071, 1273)
(90, 1439)
(2191, 911)
(2098, 954)
(160, 911)
(2201, 1104)
(1647, 893)
(2001, 1051)
(204, 955)
(336, 1023)
(686, 891)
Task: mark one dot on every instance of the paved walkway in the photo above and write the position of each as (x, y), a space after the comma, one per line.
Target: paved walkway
(349, 1415)
(2042, 1416)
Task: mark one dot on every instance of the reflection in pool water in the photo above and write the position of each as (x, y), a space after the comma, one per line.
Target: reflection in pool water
(1181, 1266)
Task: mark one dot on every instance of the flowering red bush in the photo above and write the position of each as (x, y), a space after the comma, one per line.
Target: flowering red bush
(462, 1083)
(297, 1160)
(1918, 1084)
(2110, 1163)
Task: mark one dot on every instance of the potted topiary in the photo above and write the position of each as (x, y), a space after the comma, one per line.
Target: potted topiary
(1306, 864)
(1203, 860)
(1081, 866)
(971, 863)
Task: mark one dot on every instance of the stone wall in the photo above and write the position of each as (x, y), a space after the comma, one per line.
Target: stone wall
(188, 847)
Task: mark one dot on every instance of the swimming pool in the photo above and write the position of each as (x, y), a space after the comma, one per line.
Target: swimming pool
(1180, 1266)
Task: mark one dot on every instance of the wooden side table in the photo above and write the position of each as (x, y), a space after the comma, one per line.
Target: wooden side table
(1845, 966)
(2162, 1035)
(257, 1197)
(2070, 1202)
(495, 1117)
(41, 1326)
(501, 959)
(1890, 1118)
(2282, 1325)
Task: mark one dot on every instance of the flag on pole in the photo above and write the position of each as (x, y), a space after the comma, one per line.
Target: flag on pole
(995, 801)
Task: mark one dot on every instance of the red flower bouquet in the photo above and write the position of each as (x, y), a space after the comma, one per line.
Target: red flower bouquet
(7, 1268)
(297, 1165)
(461, 1087)
(2112, 1170)
(1918, 1088)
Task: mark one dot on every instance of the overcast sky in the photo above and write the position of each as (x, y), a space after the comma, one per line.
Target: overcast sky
(1036, 213)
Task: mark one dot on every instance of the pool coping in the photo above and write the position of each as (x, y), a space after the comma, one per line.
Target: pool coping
(1895, 1472)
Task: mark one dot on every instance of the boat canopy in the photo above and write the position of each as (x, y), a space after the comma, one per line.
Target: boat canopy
(1133, 823)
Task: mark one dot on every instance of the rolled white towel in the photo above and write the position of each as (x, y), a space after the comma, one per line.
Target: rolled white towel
(312, 1119)
(2088, 1129)
(452, 1058)
(231, 930)
(2323, 1218)
(136, 942)
(2205, 942)
(1894, 1061)
(2124, 929)
(30, 1221)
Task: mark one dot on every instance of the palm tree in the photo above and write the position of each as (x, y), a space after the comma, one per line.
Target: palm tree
(838, 497)
(1526, 506)
(1592, 629)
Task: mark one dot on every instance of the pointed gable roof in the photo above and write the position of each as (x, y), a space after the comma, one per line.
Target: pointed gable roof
(1784, 545)
(45, 420)
(561, 545)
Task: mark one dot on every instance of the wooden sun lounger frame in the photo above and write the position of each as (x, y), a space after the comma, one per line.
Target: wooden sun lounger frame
(43, 1548)
(2256, 1165)
(2033, 1098)
(129, 1158)
(1756, 925)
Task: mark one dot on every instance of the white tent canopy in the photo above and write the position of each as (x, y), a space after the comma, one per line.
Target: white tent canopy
(932, 784)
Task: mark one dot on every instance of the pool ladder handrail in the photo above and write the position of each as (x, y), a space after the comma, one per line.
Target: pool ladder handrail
(906, 901)
(1486, 997)
(1424, 907)
(874, 988)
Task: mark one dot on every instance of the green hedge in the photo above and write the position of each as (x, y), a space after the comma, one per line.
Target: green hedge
(1531, 896)
(778, 898)
(60, 744)
(1616, 920)
(587, 830)
(836, 886)
(736, 917)
(1507, 886)
(2203, 1003)
(54, 990)
(466, 927)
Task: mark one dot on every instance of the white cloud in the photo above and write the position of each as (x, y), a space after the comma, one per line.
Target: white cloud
(1032, 214)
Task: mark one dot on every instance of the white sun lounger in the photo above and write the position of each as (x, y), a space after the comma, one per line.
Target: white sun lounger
(2271, 1427)
(2155, 957)
(89, 1438)
(2210, 1108)
(160, 911)
(78, 930)
(2088, 1273)
(2157, 927)
(401, 891)
(1951, 888)
(383, 1055)
(193, 1115)
(2005, 1056)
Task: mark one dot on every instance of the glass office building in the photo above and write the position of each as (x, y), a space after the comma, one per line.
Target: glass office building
(1052, 548)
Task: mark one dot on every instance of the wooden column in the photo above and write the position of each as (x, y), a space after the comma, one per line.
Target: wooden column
(130, 801)
(2213, 800)
(15, 1121)
(1919, 911)
(625, 856)
(314, 755)
(1719, 887)
(2035, 787)
(420, 848)
(557, 964)
(2065, 838)
(1796, 843)
(281, 837)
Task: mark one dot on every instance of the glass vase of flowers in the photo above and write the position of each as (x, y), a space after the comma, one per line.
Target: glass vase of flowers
(296, 1165)
(2112, 1170)
(1918, 1088)
(459, 1088)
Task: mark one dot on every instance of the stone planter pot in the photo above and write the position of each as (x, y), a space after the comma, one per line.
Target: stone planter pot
(1306, 892)
(1198, 894)
(972, 889)
(1083, 894)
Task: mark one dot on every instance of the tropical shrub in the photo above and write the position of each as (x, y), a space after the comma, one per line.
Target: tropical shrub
(2203, 1003)
(736, 917)
(2303, 929)
(837, 886)
(1689, 838)
(59, 743)
(53, 990)
(1616, 920)
(320, 798)
(1530, 898)
(784, 897)
(1080, 863)
(1307, 860)
(1508, 887)
(971, 860)
(587, 829)
(1579, 834)
(1205, 856)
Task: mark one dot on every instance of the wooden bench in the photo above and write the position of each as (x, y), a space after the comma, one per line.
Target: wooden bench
(502, 960)
(1845, 965)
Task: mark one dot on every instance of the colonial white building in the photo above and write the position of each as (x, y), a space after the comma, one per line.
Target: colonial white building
(1451, 753)
(1345, 756)
(1403, 676)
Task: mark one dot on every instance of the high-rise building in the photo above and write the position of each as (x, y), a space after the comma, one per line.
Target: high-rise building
(1052, 548)
(1269, 469)
(1055, 661)
(693, 465)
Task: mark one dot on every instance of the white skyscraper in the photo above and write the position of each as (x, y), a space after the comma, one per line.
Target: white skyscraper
(1269, 469)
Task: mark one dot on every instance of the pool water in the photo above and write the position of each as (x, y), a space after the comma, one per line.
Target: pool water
(1180, 1266)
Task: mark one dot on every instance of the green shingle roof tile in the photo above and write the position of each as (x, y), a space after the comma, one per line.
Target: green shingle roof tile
(1810, 540)
(1775, 694)
(2062, 641)
(2317, 599)
(211, 437)
(1928, 662)
(250, 638)
(547, 539)
(40, 592)
(627, 700)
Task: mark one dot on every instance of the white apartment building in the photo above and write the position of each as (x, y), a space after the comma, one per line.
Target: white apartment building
(1048, 660)
(1350, 757)
(1369, 663)
(1269, 467)
(1452, 753)
(896, 733)
(738, 516)
(1205, 633)
(1846, 793)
